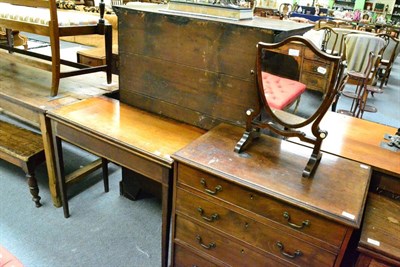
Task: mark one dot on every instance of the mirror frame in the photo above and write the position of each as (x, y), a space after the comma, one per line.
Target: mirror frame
(255, 122)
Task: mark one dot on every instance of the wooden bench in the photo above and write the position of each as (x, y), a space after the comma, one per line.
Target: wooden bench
(42, 17)
(24, 149)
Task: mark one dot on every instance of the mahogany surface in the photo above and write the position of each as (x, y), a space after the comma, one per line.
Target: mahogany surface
(130, 137)
(244, 198)
(24, 93)
(359, 140)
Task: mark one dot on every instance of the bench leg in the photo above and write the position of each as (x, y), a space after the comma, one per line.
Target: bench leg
(104, 166)
(33, 188)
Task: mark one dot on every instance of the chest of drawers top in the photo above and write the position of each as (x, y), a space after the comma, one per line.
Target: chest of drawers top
(274, 167)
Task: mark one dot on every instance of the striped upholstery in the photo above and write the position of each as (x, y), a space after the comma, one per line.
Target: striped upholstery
(42, 15)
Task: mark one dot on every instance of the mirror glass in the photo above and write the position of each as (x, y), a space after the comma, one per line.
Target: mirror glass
(285, 85)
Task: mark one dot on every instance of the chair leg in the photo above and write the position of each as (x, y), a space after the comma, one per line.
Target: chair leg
(104, 166)
(55, 64)
(108, 52)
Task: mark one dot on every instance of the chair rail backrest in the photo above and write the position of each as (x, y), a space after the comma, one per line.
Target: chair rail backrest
(329, 36)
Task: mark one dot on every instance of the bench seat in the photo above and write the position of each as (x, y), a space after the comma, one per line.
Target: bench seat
(24, 149)
(43, 18)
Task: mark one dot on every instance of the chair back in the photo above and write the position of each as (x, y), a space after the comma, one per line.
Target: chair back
(285, 9)
(392, 31)
(390, 50)
(330, 37)
(357, 48)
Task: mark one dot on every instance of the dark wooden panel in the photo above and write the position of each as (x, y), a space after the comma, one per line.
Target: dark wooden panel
(205, 44)
(196, 96)
(199, 71)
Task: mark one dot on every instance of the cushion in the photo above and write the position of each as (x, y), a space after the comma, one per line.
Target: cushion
(7, 259)
(42, 15)
(281, 92)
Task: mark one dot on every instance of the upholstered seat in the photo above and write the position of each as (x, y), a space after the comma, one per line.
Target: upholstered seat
(281, 92)
(41, 16)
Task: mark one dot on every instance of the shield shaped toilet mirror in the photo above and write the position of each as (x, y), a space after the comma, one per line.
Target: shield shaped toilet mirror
(296, 84)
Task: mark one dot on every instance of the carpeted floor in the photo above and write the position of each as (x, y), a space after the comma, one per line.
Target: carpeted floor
(105, 229)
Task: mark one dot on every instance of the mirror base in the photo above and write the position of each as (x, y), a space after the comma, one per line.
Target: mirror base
(312, 165)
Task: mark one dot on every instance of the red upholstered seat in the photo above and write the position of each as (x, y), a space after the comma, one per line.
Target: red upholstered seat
(281, 92)
(7, 259)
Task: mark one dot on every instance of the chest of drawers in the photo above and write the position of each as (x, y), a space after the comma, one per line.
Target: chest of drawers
(313, 71)
(255, 209)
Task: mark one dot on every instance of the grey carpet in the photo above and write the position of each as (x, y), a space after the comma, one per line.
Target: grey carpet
(105, 229)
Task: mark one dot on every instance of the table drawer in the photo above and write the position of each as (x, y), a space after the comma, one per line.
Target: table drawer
(261, 235)
(314, 81)
(186, 258)
(320, 69)
(263, 205)
(309, 54)
(219, 246)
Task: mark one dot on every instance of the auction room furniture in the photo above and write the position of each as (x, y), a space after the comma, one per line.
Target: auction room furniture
(42, 17)
(24, 149)
(360, 94)
(24, 93)
(206, 56)
(353, 139)
(380, 241)
(255, 209)
(329, 36)
(130, 137)
(388, 58)
(358, 47)
(279, 71)
(207, 74)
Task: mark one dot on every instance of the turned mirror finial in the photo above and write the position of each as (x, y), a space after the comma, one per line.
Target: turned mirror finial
(296, 84)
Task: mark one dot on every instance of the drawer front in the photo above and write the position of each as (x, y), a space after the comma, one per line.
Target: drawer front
(257, 234)
(309, 54)
(273, 209)
(315, 75)
(221, 247)
(314, 82)
(186, 258)
(317, 68)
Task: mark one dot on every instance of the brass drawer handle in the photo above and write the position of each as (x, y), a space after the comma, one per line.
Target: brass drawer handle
(297, 253)
(304, 223)
(209, 246)
(217, 189)
(212, 218)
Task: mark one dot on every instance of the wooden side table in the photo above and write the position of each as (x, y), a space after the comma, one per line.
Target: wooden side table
(130, 137)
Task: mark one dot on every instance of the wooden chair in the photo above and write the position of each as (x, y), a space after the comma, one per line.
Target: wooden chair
(360, 94)
(388, 57)
(284, 10)
(392, 31)
(330, 36)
